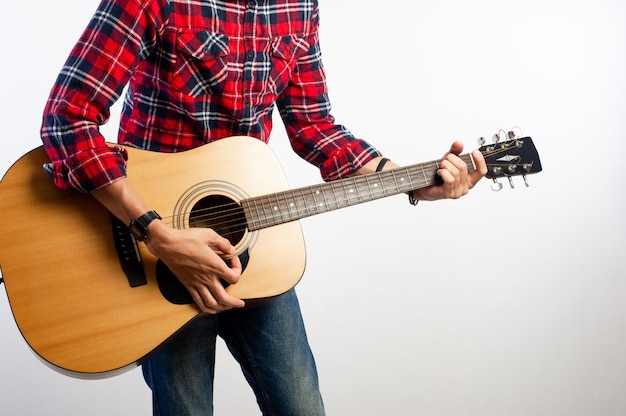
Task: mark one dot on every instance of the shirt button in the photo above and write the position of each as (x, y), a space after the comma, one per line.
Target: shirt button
(252, 4)
(250, 55)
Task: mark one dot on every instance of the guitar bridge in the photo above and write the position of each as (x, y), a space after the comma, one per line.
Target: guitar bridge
(128, 253)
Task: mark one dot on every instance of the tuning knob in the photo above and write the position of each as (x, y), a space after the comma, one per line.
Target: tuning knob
(496, 186)
(511, 184)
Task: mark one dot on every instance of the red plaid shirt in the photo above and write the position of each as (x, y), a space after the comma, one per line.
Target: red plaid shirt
(197, 72)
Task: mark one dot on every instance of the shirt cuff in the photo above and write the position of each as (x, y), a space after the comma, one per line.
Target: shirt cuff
(347, 159)
(88, 170)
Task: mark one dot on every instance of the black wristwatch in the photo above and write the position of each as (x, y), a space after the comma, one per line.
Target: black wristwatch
(139, 226)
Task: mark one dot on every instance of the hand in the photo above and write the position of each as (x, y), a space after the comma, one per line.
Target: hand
(456, 181)
(190, 255)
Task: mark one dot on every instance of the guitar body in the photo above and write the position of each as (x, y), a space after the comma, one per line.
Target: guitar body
(69, 295)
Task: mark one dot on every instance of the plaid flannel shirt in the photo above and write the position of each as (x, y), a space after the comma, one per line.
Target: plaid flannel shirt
(197, 71)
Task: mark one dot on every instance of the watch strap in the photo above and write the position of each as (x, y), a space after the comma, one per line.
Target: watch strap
(139, 226)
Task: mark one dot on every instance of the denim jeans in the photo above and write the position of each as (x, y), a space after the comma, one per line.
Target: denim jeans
(270, 344)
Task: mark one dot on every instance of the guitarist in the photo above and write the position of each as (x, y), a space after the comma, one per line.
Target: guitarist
(200, 71)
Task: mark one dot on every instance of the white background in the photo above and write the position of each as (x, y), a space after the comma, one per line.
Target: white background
(509, 303)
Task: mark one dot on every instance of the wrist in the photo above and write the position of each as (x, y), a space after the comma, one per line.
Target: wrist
(139, 226)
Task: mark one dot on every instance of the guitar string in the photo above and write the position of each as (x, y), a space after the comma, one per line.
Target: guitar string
(271, 214)
(288, 195)
(231, 218)
(284, 196)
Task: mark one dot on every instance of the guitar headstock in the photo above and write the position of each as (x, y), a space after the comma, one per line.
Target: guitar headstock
(512, 157)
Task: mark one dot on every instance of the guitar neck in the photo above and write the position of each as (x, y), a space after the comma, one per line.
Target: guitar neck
(278, 208)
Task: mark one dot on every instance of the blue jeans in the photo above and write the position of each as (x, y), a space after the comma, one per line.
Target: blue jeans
(270, 344)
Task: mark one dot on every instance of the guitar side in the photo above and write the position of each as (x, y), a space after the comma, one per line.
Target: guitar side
(69, 296)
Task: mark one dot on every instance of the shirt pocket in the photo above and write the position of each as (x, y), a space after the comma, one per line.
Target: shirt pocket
(284, 52)
(201, 65)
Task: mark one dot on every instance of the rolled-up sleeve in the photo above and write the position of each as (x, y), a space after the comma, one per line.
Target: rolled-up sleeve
(88, 170)
(120, 33)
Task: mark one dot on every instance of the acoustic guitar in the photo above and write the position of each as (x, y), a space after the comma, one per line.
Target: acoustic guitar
(92, 302)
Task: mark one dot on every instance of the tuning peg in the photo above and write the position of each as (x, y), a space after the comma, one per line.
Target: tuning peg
(526, 181)
(511, 182)
(496, 138)
(496, 186)
(481, 141)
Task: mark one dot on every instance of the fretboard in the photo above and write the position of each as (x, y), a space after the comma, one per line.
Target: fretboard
(281, 207)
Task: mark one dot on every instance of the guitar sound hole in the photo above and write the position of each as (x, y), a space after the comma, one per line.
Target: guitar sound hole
(221, 214)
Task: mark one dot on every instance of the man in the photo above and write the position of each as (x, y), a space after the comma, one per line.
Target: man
(199, 71)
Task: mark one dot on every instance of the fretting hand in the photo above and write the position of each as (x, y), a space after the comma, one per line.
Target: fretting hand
(455, 179)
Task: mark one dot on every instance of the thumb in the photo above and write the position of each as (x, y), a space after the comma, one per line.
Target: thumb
(456, 147)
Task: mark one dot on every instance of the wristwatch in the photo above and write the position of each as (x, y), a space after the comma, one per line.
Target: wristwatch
(139, 226)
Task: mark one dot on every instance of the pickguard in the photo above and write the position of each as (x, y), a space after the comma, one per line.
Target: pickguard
(174, 291)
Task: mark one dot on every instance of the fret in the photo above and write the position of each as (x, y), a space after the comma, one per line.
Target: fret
(307, 202)
(372, 187)
(424, 174)
(405, 181)
(395, 180)
(408, 184)
(267, 211)
(353, 196)
(284, 207)
(256, 221)
(333, 200)
(324, 205)
(389, 183)
(315, 193)
(274, 206)
(437, 167)
(291, 205)
(339, 195)
(412, 185)
(249, 213)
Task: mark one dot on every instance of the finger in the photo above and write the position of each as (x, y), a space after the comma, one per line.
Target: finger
(214, 299)
(461, 174)
(480, 170)
(457, 162)
(449, 170)
(226, 267)
(220, 243)
(456, 148)
(224, 300)
(454, 175)
(447, 177)
(235, 266)
(201, 301)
